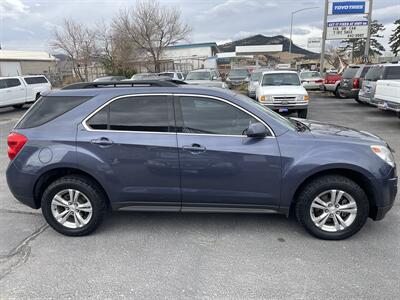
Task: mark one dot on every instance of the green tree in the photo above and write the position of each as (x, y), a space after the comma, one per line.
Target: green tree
(356, 47)
(394, 40)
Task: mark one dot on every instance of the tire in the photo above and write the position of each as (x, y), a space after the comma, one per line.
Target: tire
(302, 113)
(328, 230)
(89, 192)
(338, 94)
(18, 106)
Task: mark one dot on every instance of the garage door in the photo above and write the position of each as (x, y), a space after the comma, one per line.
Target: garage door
(10, 68)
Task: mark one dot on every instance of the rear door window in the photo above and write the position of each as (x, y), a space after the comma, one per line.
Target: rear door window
(144, 114)
(392, 72)
(364, 71)
(35, 80)
(12, 82)
(48, 108)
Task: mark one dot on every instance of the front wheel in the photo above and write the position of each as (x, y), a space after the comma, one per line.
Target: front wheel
(332, 207)
(339, 94)
(302, 113)
(73, 205)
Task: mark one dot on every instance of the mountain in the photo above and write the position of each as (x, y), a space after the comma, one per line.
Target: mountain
(260, 39)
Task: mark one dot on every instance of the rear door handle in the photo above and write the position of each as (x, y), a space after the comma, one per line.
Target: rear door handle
(194, 148)
(102, 142)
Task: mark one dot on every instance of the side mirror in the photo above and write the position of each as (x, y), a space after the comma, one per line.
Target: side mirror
(256, 130)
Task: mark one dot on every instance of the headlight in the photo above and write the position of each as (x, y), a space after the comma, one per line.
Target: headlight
(384, 153)
(266, 98)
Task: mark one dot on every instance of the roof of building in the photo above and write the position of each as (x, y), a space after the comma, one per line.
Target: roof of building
(26, 55)
(195, 45)
(260, 39)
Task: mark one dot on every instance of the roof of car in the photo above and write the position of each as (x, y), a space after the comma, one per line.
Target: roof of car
(279, 71)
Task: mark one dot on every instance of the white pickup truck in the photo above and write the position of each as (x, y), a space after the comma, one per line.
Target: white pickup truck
(387, 95)
(18, 90)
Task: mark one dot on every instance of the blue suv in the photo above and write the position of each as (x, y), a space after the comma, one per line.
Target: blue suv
(157, 146)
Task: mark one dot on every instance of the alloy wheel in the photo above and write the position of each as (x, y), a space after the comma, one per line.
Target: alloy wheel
(71, 208)
(333, 210)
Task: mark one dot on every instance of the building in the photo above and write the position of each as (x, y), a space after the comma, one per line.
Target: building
(191, 56)
(13, 62)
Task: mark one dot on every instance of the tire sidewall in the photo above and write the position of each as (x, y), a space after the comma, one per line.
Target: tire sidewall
(84, 187)
(354, 191)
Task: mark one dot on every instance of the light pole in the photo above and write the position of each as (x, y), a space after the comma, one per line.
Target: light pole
(291, 24)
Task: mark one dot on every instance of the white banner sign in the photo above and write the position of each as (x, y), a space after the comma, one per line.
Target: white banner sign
(314, 43)
(347, 30)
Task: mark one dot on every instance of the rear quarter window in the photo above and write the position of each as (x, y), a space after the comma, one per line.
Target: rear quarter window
(374, 73)
(35, 80)
(48, 108)
(392, 72)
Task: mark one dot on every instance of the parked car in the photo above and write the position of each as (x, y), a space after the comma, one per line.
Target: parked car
(353, 78)
(331, 83)
(237, 78)
(125, 148)
(282, 91)
(375, 73)
(311, 80)
(173, 75)
(387, 95)
(145, 76)
(110, 78)
(19, 90)
(205, 77)
(253, 83)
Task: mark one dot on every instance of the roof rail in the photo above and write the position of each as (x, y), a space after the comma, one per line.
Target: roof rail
(126, 83)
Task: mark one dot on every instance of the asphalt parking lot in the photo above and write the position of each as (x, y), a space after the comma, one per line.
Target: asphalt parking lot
(171, 255)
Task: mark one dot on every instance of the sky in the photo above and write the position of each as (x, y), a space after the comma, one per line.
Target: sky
(29, 24)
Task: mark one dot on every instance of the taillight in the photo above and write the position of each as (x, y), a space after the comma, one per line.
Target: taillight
(356, 83)
(318, 81)
(15, 143)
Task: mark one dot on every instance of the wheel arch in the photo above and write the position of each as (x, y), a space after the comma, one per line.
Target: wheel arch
(358, 177)
(51, 175)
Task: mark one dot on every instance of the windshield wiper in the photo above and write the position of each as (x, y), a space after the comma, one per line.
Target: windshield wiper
(299, 125)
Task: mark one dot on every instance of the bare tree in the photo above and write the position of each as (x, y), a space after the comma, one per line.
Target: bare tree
(151, 28)
(79, 43)
(114, 50)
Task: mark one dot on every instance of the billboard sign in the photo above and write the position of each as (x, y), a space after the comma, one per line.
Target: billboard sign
(348, 7)
(346, 30)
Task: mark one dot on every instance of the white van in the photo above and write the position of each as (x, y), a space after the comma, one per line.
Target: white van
(18, 90)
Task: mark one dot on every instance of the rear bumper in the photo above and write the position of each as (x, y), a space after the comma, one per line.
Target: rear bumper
(364, 99)
(312, 86)
(331, 87)
(21, 185)
(353, 93)
(388, 105)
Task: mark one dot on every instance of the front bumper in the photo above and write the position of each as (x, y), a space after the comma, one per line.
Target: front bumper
(384, 195)
(289, 107)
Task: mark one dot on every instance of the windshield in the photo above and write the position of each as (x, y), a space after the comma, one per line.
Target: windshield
(277, 117)
(198, 76)
(255, 76)
(276, 79)
(238, 73)
(310, 75)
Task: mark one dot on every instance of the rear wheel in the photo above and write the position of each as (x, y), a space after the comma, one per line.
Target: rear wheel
(73, 205)
(332, 207)
(339, 94)
(302, 113)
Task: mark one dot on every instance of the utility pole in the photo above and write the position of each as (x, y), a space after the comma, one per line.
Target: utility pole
(291, 24)
(321, 61)
(368, 41)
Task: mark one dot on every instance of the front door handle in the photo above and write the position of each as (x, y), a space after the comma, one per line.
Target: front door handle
(102, 142)
(194, 148)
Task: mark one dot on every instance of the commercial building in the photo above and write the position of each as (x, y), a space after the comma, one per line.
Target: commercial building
(13, 62)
